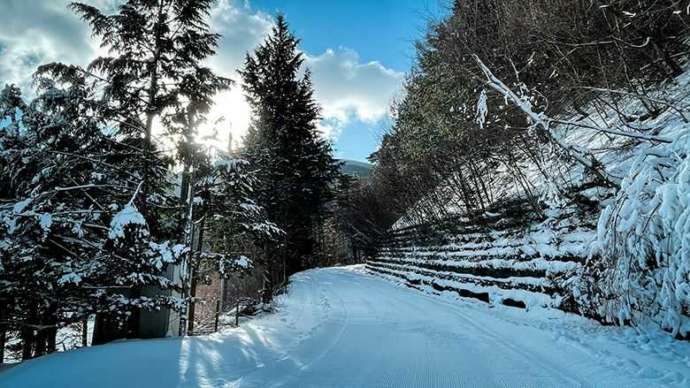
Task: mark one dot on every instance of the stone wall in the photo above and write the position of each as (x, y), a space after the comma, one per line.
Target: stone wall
(516, 254)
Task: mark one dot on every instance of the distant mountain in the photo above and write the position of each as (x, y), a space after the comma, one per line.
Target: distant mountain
(355, 168)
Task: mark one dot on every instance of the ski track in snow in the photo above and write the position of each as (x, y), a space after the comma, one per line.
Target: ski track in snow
(342, 327)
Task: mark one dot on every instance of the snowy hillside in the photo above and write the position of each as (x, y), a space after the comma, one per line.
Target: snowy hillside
(355, 168)
(555, 254)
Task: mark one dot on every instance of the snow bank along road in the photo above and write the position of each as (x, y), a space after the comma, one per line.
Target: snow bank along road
(340, 327)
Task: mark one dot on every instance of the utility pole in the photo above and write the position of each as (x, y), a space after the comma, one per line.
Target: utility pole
(187, 267)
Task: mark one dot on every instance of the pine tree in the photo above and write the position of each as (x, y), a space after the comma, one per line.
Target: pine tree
(45, 163)
(42, 210)
(238, 223)
(89, 197)
(228, 225)
(69, 247)
(295, 166)
(12, 107)
(153, 69)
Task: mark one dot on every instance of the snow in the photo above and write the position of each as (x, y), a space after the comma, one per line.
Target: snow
(5, 122)
(341, 327)
(45, 220)
(250, 207)
(243, 262)
(71, 277)
(68, 338)
(630, 254)
(127, 216)
(231, 164)
(482, 109)
(165, 253)
(648, 226)
(21, 205)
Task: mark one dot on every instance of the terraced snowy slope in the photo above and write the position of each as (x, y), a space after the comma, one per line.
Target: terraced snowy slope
(341, 327)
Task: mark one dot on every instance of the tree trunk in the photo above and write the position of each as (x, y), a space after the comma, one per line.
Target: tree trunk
(28, 335)
(98, 336)
(85, 332)
(27, 342)
(40, 340)
(133, 322)
(266, 287)
(51, 340)
(192, 304)
(151, 113)
(51, 332)
(3, 339)
(3, 331)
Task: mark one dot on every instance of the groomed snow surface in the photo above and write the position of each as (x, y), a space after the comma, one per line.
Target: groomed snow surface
(342, 327)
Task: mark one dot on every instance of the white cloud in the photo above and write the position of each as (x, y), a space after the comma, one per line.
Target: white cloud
(34, 32)
(242, 29)
(346, 87)
(330, 128)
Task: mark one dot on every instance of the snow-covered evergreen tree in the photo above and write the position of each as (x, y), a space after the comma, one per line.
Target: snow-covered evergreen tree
(47, 158)
(238, 221)
(228, 228)
(67, 248)
(295, 166)
(153, 67)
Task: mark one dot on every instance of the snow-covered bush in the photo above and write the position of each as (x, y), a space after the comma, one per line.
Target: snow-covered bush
(643, 243)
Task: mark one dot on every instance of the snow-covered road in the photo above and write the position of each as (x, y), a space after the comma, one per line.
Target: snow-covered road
(340, 327)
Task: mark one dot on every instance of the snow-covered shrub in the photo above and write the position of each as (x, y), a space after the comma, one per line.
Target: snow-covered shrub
(643, 243)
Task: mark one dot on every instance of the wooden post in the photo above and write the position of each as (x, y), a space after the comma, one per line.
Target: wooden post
(85, 332)
(237, 306)
(192, 305)
(3, 332)
(215, 325)
(187, 271)
(197, 246)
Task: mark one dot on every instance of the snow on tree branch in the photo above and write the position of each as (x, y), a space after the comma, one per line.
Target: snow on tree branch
(540, 120)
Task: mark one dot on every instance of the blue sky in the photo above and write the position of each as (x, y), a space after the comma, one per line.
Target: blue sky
(358, 50)
(383, 31)
(379, 30)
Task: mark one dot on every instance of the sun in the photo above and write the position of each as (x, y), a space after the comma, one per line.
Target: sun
(227, 122)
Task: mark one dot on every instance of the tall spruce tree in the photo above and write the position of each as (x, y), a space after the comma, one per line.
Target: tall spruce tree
(12, 107)
(295, 166)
